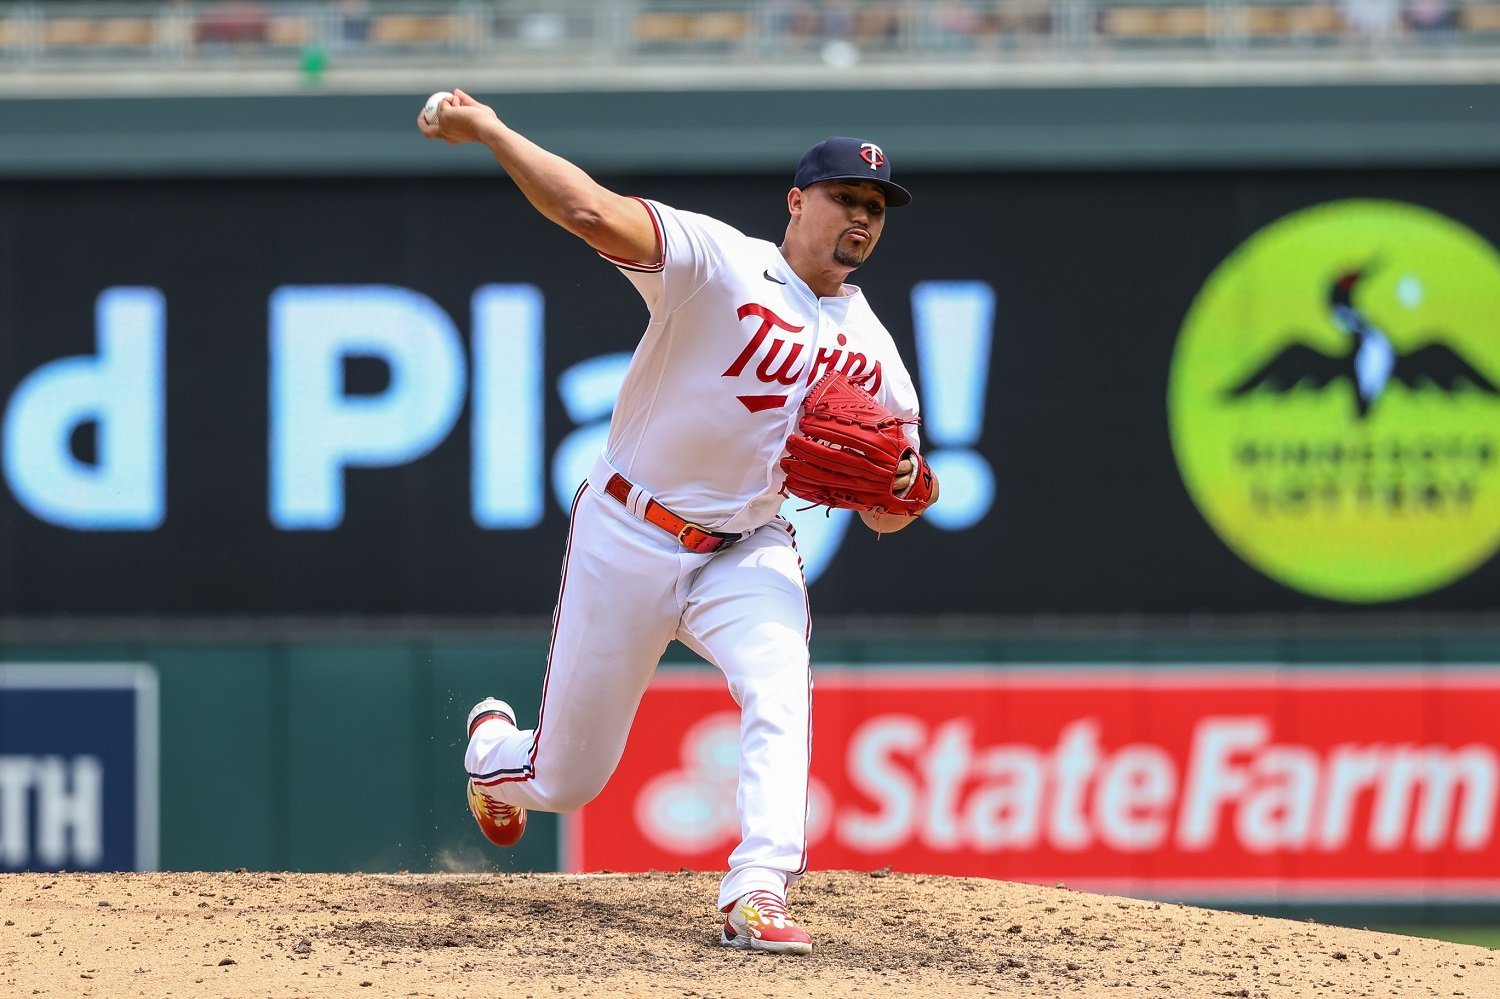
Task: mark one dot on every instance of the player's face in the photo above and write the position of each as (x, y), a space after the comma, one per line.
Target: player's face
(848, 214)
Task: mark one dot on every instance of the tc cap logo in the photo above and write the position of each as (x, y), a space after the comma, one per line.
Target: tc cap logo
(872, 154)
(1333, 401)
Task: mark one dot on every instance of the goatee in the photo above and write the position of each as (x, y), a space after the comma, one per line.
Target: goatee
(846, 259)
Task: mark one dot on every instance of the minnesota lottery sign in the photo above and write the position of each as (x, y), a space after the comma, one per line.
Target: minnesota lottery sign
(1334, 400)
(78, 767)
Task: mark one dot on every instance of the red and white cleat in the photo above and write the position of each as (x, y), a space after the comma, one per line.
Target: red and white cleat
(759, 921)
(501, 824)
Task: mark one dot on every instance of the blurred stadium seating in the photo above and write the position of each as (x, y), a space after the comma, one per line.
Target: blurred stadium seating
(37, 36)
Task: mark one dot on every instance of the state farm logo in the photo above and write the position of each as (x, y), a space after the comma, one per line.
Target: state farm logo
(933, 786)
(940, 788)
(936, 786)
(692, 809)
(1212, 782)
(1333, 401)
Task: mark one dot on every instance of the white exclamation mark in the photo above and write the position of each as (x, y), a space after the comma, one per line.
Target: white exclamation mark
(955, 325)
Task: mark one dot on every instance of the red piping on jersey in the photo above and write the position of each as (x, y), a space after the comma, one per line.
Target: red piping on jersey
(529, 771)
(661, 245)
(807, 638)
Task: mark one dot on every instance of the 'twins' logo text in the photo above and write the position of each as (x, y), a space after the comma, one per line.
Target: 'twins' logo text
(783, 361)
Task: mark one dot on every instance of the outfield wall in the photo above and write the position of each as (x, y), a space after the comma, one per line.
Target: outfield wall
(1368, 766)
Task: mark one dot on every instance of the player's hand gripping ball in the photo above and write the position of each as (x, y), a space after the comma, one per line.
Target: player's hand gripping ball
(845, 451)
(430, 112)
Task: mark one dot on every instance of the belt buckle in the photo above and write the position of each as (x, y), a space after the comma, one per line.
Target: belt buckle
(690, 526)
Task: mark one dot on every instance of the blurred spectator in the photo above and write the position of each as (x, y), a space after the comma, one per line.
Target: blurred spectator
(542, 30)
(838, 18)
(1431, 17)
(354, 21)
(236, 23)
(795, 21)
(958, 23)
(878, 26)
(1371, 21)
(1020, 23)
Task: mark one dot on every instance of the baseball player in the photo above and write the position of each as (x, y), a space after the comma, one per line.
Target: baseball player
(676, 532)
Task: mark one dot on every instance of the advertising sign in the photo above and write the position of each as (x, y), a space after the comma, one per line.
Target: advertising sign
(78, 767)
(1334, 398)
(1234, 783)
(313, 398)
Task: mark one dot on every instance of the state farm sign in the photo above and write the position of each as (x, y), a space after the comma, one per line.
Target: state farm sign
(1370, 782)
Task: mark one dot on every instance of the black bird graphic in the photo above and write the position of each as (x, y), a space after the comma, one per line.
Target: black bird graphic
(1370, 363)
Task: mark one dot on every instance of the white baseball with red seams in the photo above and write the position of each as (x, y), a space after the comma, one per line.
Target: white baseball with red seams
(434, 105)
(734, 341)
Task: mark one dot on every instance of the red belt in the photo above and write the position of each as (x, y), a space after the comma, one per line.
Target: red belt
(693, 537)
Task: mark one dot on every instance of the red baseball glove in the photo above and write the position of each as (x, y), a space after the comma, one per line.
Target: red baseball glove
(845, 451)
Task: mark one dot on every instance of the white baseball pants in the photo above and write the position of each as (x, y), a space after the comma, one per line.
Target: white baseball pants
(627, 590)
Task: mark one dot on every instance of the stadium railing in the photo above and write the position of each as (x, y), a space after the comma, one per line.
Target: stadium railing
(40, 35)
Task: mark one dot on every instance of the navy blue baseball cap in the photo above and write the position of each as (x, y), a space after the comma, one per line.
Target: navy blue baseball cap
(840, 157)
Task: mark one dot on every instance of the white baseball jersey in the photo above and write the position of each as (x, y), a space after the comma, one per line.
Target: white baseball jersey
(714, 389)
(734, 342)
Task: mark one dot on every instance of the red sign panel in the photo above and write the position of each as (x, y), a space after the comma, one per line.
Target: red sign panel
(1244, 782)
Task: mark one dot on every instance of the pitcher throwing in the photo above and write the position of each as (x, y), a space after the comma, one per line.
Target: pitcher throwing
(760, 374)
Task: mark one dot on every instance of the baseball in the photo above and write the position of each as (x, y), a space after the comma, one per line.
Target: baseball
(433, 103)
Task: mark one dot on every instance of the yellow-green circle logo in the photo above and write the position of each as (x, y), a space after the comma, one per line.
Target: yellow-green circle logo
(1334, 404)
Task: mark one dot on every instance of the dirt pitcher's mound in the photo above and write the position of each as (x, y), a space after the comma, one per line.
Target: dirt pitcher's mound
(270, 935)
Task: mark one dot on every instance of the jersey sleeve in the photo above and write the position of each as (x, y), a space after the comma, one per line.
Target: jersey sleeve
(904, 405)
(692, 250)
(897, 392)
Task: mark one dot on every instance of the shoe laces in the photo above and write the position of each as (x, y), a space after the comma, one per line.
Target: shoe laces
(495, 809)
(770, 906)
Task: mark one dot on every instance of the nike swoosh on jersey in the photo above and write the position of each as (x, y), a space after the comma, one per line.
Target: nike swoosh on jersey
(771, 277)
